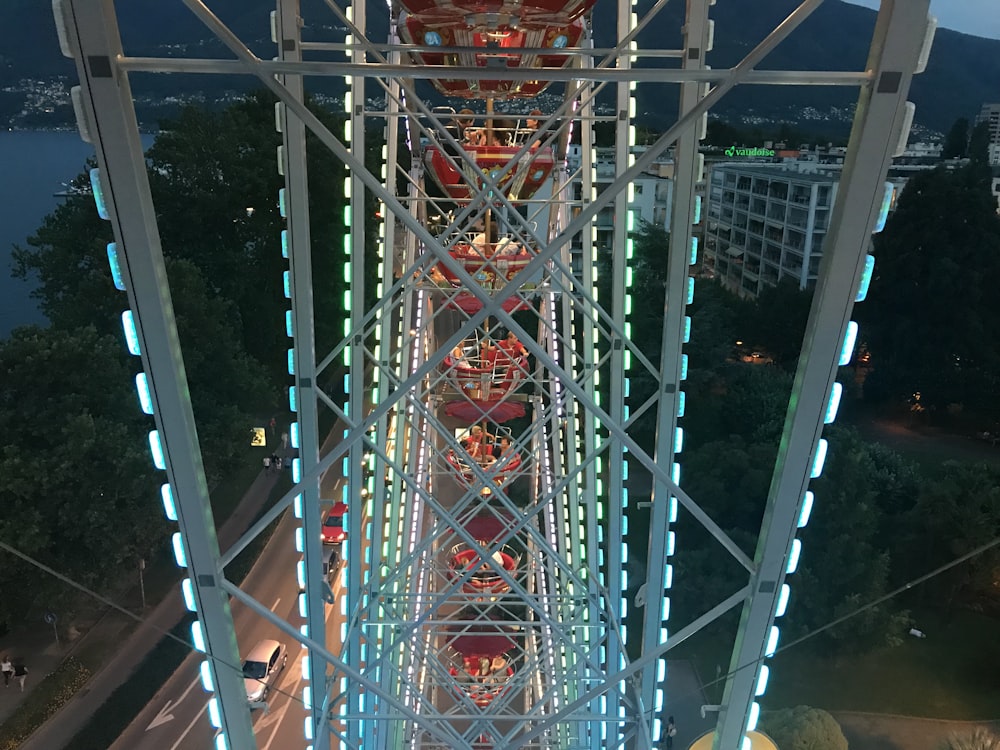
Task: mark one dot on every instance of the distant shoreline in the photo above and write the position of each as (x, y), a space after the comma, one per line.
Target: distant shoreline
(67, 129)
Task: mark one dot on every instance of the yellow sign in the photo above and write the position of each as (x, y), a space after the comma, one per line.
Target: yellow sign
(258, 437)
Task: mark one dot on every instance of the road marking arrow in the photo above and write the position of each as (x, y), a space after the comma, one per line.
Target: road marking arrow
(162, 717)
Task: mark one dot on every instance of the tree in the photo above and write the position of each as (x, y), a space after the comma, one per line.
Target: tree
(733, 490)
(79, 489)
(978, 739)
(955, 513)
(930, 319)
(68, 253)
(227, 385)
(803, 728)
(957, 140)
(979, 143)
(778, 324)
(216, 191)
(717, 317)
(845, 563)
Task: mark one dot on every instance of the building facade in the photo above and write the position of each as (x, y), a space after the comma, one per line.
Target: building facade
(990, 114)
(764, 224)
(653, 193)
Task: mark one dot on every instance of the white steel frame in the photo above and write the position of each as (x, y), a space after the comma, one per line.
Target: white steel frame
(575, 686)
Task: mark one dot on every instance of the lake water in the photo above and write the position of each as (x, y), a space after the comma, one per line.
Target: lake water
(35, 165)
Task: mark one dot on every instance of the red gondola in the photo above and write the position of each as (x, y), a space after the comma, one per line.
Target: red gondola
(481, 664)
(527, 13)
(461, 180)
(483, 678)
(492, 264)
(489, 46)
(491, 374)
(499, 470)
(485, 580)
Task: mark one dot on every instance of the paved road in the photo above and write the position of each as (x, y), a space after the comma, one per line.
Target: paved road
(176, 719)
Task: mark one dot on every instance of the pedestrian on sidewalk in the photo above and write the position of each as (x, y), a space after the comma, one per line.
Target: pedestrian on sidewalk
(671, 733)
(21, 673)
(267, 465)
(7, 668)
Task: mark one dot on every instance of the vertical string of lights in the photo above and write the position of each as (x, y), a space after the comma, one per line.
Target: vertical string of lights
(588, 509)
(844, 358)
(380, 509)
(146, 404)
(616, 500)
(682, 255)
(358, 545)
(564, 426)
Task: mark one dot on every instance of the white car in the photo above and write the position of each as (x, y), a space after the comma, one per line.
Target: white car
(262, 667)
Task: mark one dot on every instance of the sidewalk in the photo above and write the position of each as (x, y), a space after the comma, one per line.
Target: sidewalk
(42, 659)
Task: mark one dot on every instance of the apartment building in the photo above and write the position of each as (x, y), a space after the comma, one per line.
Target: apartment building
(765, 224)
(990, 114)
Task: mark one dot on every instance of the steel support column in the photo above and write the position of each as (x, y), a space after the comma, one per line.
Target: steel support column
(299, 246)
(896, 45)
(91, 33)
(687, 168)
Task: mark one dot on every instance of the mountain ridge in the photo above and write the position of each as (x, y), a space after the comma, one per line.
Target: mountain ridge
(962, 74)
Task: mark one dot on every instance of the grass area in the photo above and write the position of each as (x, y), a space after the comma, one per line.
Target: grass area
(226, 495)
(916, 438)
(42, 702)
(128, 700)
(951, 674)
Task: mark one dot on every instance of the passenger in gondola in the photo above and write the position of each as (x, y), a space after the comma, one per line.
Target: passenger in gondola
(488, 353)
(475, 136)
(513, 347)
(458, 357)
(502, 447)
(532, 125)
(503, 131)
(478, 435)
(463, 122)
(471, 447)
(507, 250)
(436, 276)
(534, 120)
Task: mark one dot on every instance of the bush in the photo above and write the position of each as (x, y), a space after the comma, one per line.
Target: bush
(803, 728)
(978, 739)
(51, 694)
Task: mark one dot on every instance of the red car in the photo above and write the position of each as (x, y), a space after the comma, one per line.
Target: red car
(333, 525)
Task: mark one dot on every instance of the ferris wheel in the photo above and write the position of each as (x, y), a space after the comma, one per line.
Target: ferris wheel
(507, 580)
